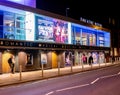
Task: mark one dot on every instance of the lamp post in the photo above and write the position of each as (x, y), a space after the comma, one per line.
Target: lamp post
(66, 11)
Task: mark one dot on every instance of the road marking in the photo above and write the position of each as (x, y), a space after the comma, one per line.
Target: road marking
(72, 87)
(67, 89)
(118, 73)
(95, 81)
(50, 93)
(79, 86)
(108, 76)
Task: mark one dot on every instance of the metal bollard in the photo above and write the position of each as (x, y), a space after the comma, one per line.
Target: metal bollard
(105, 62)
(20, 72)
(71, 66)
(82, 66)
(42, 70)
(58, 68)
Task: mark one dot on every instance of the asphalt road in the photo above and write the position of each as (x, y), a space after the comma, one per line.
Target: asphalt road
(105, 81)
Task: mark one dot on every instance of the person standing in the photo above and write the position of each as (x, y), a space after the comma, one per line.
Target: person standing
(90, 60)
(11, 62)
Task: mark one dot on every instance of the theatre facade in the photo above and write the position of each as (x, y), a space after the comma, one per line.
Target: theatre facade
(37, 37)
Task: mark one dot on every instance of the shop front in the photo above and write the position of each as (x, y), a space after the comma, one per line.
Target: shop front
(41, 40)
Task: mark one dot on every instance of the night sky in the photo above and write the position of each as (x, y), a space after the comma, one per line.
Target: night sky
(97, 11)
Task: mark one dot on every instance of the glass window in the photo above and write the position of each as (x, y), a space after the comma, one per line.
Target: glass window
(20, 34)
(20, 21)
(8, 24)
(8, 19)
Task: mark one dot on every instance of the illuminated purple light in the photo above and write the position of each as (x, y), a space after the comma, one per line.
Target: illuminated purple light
(31, 3)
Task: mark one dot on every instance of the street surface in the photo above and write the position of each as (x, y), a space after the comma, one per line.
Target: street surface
(105, 81)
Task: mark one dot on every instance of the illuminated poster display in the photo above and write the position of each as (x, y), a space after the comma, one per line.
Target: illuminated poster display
(101, 57)
(22, 25)
(68, 58)
(44, 29)
(43, 58)
(95, 57)
(29, 59)
(51, 30)
(60, 32)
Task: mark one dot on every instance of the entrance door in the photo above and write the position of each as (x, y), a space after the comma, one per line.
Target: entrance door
(5, 65)
(54, 60)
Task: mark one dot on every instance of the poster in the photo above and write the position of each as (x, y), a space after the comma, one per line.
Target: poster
(60, 32)
(29, 59)
(44, 30)
(43, 58)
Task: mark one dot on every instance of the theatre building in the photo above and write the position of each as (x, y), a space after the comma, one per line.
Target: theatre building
(37, 37)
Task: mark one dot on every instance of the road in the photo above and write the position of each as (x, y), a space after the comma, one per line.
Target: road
(105, 81)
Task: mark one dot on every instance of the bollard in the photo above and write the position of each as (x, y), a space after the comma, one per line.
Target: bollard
(58, 68)
(20, 72)
(99, 63)
(42, 70)
(105, 62)
(91, 64)
(82, 66)
(71, 66)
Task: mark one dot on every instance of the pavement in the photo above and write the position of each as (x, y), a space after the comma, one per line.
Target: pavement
(23, 77)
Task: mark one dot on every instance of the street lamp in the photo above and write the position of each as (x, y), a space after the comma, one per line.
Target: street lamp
(66, 11)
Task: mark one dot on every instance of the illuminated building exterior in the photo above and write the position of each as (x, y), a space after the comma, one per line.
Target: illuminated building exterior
(38, 37)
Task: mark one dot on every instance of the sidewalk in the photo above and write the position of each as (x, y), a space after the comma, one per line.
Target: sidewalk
(10, 79)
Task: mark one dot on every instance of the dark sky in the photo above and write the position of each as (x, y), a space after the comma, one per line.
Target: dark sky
(97, 11)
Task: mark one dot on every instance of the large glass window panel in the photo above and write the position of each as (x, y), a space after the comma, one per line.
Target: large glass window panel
(73, 34)
(107, 39)
(101, 41)
(13, 23)
(9, 35)
(8, 24)
(20, 24)
(20, 21)
(85, 37)
(9, 19)
(30, 26)
(20, 17)
(20, 34)
(77, 38)
(1, 24)
(92, 38)
(76, 34)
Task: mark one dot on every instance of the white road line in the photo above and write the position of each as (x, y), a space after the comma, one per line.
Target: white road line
(95, 81)
(118, 73)
(72, 87)
(50, 93)
(108, 76)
